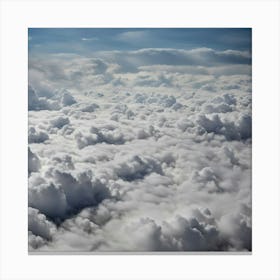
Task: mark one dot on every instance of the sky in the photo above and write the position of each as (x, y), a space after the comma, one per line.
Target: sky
(87, 40)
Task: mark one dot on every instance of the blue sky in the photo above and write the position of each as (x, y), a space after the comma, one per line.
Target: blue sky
(88, 40)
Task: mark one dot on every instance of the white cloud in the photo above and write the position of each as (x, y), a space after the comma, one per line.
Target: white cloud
(239, 130)
(89, 39)
(156, 68)
(133, 36)
(140, 151)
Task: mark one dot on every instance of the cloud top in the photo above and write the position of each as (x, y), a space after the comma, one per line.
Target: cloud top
(139, 148)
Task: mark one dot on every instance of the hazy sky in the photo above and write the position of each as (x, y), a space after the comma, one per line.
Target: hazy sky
(86, 40)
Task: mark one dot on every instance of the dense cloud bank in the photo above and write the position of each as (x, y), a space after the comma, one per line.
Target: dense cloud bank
(147, 150)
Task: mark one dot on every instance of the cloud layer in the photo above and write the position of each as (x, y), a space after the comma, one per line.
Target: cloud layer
(146, 150)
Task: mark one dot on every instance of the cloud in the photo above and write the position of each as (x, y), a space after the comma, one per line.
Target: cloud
(145, 150)
(134, 168)
(39, 225)
(35, 241)
(134, 37)
(89, 39)
(241, 130)
(35, 136)
(90, 108)
(33, 162)
(221, 104)
(59, 122)
(107, 134)
(36, 103)
(238, 229)
(65, 194)
(67, 99)
(195, 57)
(51, 103)
(47, 198)
(156, 68)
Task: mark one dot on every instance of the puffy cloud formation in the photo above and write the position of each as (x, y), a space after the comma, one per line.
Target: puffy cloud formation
(53, 102)
(59, 122)
(67, 99)
(36, 136)
(39, 225)
(136, 167)
(37, 103)
(238, 130)
(145, 150)
(65, 194)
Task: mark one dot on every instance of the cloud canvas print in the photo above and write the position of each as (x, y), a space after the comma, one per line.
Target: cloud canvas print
(139, 140)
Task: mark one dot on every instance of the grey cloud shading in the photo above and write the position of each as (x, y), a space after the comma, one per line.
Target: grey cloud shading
(97, 136)
(40, 103)
(65, 194)
(134, 168)
(90, 108)
(39, 225)
(33, 162)
(67, 99)
(240, 130)
(35, 136)
(59, 122)
(35, 241)
(51, 103)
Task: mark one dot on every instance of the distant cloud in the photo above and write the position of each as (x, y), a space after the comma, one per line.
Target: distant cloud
(89, 39)
(145, 68)
(198, 57)
(133, 37)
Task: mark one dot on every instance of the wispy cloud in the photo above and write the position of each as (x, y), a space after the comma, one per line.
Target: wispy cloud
(132, 36)
(90, 39)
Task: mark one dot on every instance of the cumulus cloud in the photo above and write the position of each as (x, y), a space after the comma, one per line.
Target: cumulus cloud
(39, 225)
(35, 136)
(135, 167)
(67, 99)
(90, 108)
(59, 122)
(37, 103)
(144, 150)
(240, 130)
(35, 241)
(51, 103)
(109, 134)
(65, 194)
